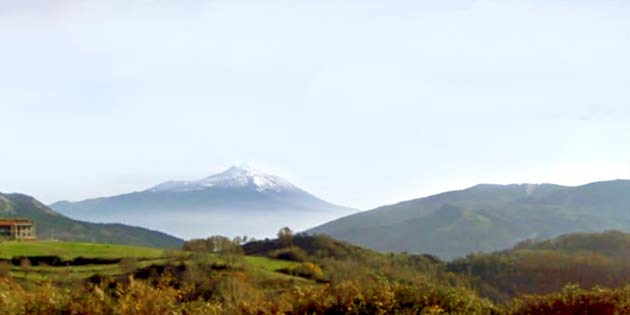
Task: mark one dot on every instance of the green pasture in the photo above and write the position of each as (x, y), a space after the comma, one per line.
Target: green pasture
(145, 256)
(70, 250)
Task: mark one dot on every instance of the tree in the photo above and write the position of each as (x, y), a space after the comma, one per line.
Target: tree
(230, 249)
(212, 244)
(233, 251)
(285, 237)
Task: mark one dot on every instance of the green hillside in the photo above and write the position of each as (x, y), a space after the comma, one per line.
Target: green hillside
(301, 274)
(610, 243)
(113, 257)
(52, 225)
(486, 218)
(542, 267)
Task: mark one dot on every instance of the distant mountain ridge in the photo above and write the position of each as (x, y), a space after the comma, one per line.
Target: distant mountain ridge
(486, 218)
(239, 201)
(51, 224)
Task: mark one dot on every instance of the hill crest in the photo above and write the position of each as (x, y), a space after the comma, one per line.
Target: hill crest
(486, 218)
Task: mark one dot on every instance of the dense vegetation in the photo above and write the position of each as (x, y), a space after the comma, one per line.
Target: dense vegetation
(486, 218)
(215, 280)
(589, 260)
(299, 274)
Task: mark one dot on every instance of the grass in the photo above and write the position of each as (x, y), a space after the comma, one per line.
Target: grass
(268, 263)
(40, 273)
(70, 250)
(263, 266)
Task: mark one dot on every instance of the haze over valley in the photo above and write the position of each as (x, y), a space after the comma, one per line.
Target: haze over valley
(239, 201)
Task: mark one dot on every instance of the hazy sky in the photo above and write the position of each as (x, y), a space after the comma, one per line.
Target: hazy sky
(362, 103)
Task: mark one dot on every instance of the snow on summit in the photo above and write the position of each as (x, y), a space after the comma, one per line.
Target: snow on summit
(235, 177)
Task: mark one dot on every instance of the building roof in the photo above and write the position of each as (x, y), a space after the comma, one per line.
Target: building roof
(13, 221)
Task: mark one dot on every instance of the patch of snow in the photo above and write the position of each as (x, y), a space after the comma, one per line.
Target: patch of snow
(234, 177)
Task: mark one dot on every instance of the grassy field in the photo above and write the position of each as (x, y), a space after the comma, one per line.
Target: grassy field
(268, 263)
(266, 267)
(70, 250)
(75, 272)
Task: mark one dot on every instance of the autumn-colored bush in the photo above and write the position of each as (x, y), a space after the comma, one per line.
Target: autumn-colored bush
(306, 270)
(235, 293)
(5, 269)
(573, 300)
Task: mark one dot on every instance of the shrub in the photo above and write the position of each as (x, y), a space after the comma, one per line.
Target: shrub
(574, 300)
(306, 270)
(290, 253)
(5, 269)
(128, 265)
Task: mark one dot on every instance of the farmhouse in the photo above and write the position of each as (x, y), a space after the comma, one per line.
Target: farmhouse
(17, 229)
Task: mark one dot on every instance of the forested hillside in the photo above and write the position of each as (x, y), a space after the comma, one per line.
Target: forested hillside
(486, 218)
(588, 260)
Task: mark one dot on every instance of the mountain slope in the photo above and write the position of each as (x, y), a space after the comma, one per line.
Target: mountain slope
(239, 201)
(51, 224)
(541, 267)
(486, 218)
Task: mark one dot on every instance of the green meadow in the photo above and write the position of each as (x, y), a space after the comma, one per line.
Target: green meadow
(70, 250)
(141, 257)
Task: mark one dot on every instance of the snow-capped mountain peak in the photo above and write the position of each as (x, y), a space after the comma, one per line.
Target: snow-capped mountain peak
(235, 177)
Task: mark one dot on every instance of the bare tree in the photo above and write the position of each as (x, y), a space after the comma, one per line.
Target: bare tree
(233, 252)
(285, 236)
